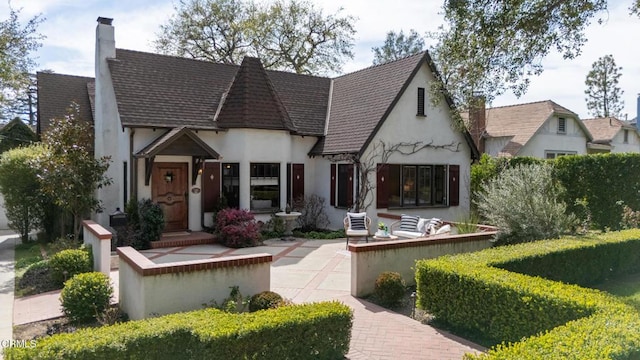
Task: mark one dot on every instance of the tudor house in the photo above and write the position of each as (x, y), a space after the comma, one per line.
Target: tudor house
(185, 133)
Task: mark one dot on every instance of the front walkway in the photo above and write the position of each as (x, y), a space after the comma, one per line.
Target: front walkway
(307, 271)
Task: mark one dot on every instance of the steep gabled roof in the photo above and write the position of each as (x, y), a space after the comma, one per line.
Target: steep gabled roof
(522, 121)
(361, 100)
(605, 129)
(55, 94)
(162, 91)
(252, 102)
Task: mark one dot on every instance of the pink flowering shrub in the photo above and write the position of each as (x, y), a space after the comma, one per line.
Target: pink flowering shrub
(237, 228)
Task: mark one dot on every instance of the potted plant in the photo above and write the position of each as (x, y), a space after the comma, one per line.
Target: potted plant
(383, 230)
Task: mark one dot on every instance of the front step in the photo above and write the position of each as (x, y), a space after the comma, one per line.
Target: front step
(194, 238)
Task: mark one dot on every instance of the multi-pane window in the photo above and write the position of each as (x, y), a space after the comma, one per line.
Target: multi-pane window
(265, 186)
(416, 185)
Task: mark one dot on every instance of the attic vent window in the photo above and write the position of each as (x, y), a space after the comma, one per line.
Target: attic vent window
(420, 102)
(562, 126)
(626, 136)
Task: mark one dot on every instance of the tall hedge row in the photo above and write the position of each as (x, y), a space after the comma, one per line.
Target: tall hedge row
(531, 317)
(308, 331)
(602, 182)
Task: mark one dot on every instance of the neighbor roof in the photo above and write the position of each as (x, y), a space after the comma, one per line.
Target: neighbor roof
(55, 94)
(605, 129)
(155, 90)
(521, 122)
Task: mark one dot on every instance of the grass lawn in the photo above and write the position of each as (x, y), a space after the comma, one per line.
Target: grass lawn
(25, 255)
(625, 287)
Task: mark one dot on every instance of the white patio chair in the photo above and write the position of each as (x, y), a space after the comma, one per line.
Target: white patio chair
(357, 225)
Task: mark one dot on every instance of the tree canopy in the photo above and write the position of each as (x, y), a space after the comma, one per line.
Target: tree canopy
(17, 42)
(286, 34)
(69, 172)
(16, 134)
(494, 46)
(398, 45)
(604, 96)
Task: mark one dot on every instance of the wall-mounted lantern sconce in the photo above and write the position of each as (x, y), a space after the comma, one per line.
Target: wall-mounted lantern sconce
(200, 171)
(168, 176)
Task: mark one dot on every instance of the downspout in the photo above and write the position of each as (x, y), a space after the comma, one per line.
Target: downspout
(133, 169)
(357, 175)
(202, 197)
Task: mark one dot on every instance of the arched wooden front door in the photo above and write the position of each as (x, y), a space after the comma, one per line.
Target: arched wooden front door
(170, 189)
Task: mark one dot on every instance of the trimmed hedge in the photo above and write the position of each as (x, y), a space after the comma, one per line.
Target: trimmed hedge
(308, 331)
(559, 321)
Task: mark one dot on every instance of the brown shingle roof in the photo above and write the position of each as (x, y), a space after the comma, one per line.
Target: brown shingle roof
(165, 91)
(252, 101)
(55, 94)
(521, 122)
(605, 129)
(361, 100)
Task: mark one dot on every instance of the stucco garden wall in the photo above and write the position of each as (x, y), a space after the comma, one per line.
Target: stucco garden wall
(369, 260)
(4, 222)
(148, 289)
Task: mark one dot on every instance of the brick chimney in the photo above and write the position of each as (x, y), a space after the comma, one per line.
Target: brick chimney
(478, 121)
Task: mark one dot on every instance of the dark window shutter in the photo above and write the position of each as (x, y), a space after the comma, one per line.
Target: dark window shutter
(297, 182)
(350, 185)
(332, 186)
(454, 185)
(288, 179)
(382, 190)
(210, 186)
(420, 101)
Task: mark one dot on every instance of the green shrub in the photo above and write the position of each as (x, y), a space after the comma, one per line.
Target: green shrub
(145, 223)
(389, 288)
(37, 279)
(307, 331)
(532, 316)
(67, 263)
(265, 300)
(86, 296)
(151, 220)
(525, 204)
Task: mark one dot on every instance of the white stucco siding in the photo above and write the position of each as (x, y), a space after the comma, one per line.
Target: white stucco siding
(547, 138)
(493, 146)
(403, 126)
(242, 146)
(632, 145)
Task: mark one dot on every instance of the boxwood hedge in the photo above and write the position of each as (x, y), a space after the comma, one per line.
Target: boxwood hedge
(535, 317)
(308, 331)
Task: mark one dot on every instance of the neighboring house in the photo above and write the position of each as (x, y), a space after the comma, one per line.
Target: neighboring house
(541, 129)
(185, 132)
(58, 91)
(615, 134)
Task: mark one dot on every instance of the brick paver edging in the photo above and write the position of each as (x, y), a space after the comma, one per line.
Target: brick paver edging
(432, 240)
(146, 267)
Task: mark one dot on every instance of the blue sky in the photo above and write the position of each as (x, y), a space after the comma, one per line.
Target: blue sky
(70, 31)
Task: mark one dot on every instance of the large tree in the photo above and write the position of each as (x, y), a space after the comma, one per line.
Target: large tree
(286, 35)
(70, 174)
(604, 96)
(17, 42)
(398, 45)
(494, 46)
